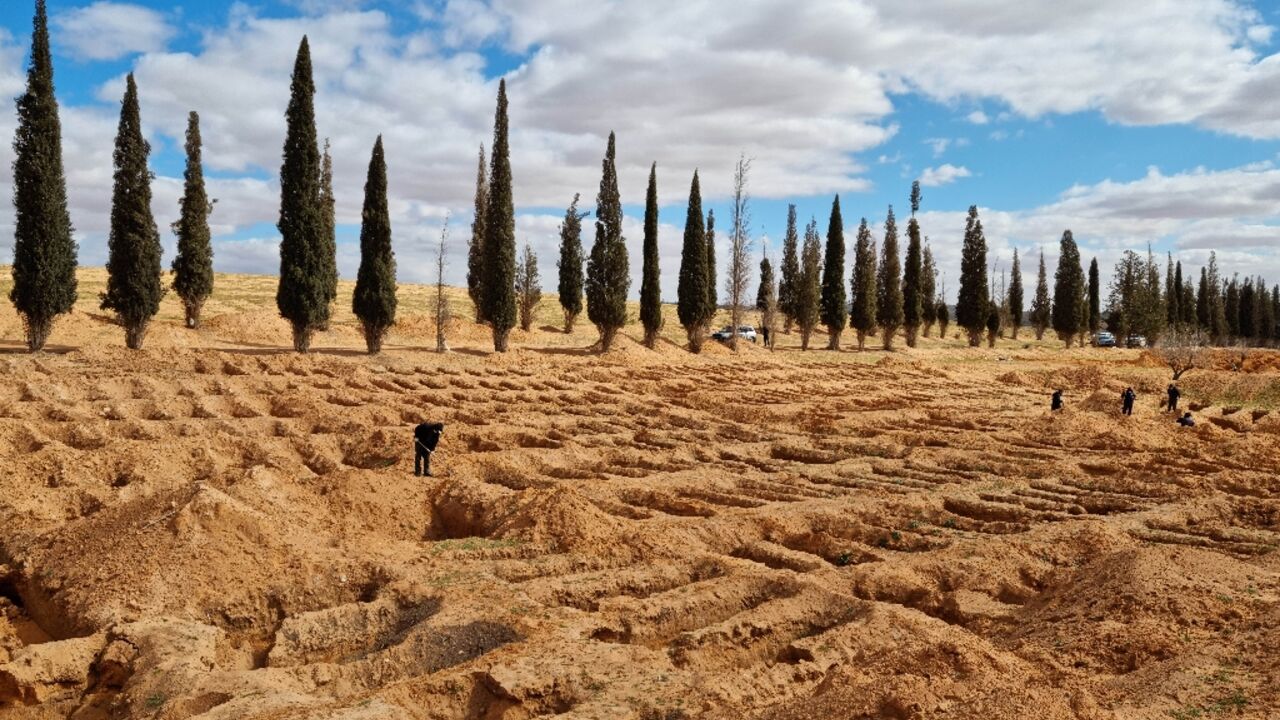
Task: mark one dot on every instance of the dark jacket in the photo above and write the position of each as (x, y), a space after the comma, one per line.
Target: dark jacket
(428, 434)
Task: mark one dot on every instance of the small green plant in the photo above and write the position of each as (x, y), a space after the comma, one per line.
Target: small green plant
(155, 701)
(844, 558)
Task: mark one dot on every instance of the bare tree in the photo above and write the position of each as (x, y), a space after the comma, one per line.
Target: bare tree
(1183, 349)
(739, 274)
(442, 311)
(528, 287)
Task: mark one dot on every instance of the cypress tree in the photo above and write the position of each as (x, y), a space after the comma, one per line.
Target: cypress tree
(790, 271)
(1041, 308)
(1095, 297)
(193, 265)
(834, 311)
(1202, 301)
(912, 279)
(650, 290)
(134, 286)
(1172, 289)
(1232, 306)
(1179, 291)
(528, 286)
(809, 290)
(44, 253)
(570, 264)
(1246, 321)
(862, 316)
(1015, 295)
(711, 306)
(499, 248)
(475, 246)
(889, 313)
(608, 276)
(993, 323)
(944, 317)
(329, 253)
(303, 293)
(1068, 289)
(691, 292)
(374, 300)
(766, 287)
(971, 304)
(928, 289)
(1188, 302)
(1218, 329)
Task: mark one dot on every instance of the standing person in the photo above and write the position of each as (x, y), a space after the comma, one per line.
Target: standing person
(1174, 394)
(425, 437)
(1128, 397)
(1056, 402)
(764, 330)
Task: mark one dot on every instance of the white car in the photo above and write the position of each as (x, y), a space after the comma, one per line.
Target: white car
(744, 331)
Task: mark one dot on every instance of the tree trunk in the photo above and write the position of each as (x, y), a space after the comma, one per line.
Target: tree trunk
(569, 319)
(1015, 332)
(651, 339)
(833, 338)
(975, 337)
(373, 339)
(1039, 333)
(500, 338)
(862, 340)
(134, 334)
(787, 324)
(928, 329)
(991, 338)
(695, 339)
(912, 331)
(37, 332)
(302, 338)
(192, 311)
(805, 333)
(887, 338)
(607, 334)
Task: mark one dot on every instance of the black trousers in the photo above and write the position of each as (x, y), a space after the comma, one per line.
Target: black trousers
(421, 460)
(1128, 408)
(1173, 403)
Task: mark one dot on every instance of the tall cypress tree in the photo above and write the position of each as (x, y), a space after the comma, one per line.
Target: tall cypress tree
(303, 293)
(691, 292)
(1202, 302)
(809, 289)
(790, 271)
(862, 315)
(1041, 307)
(928, 289)
(834, 310)
(329, 206)
(1015, 295)
(570, 264)
(44, 253)
(1188, 302)
(193, 265)
(1179, 289)
(1172, 291)
(134, 286)
(1218, 328)
(374, 301)
(971, 304)
(1068, 290)
(499, 250)
(475, 246)
(1232, 300)
(912, 277)
(1095, 297)
(766, 288)
(608, 276)
(650, 290)
(889, 313)
(711, 306)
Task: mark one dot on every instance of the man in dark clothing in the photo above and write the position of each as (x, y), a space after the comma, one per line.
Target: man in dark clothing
(764, 330)
(425, 437)
(1056, 402)
(1128, 396)
(1174, 394)
(1187, 421)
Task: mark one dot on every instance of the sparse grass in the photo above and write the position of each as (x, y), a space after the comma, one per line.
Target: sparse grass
(474, 543)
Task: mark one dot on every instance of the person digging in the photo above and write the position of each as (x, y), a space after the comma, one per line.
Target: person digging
(425, 438)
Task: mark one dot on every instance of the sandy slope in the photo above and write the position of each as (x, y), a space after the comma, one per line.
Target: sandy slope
(217, 528)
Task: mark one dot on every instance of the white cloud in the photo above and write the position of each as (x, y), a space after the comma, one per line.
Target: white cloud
(944, 174)
(109, 31)
(938, 145)
(977, 117)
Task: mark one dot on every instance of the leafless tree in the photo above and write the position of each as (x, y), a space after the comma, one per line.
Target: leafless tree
(1183, 350)
(442, 311)
(739, 275)
(528, 287)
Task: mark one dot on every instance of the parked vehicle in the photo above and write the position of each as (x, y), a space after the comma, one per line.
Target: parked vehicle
(1136, 341)
(1104, 339)
(744, 331)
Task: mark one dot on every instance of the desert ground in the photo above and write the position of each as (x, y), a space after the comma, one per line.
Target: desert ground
(216, 527)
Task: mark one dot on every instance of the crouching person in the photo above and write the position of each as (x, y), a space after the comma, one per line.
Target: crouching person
(425, 438)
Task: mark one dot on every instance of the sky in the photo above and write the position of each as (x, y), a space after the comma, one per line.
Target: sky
(1128, 123)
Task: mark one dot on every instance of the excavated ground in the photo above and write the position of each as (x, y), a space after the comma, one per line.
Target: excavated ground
(223, 530)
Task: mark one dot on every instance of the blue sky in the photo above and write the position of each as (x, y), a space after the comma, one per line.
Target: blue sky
(1126, 125)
